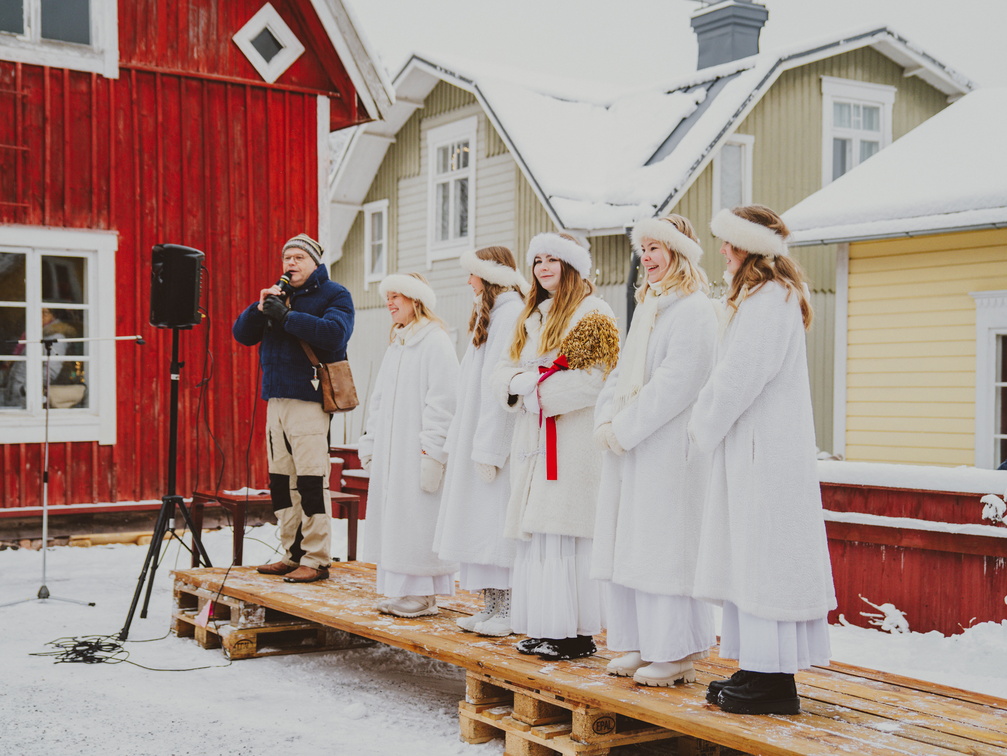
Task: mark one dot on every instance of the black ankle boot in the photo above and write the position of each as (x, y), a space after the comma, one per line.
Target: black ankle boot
(567, 648)
(715, 686)
(761, 693)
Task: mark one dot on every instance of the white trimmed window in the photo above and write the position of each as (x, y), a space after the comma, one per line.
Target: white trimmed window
(268, 43)
(451, 155)
(991, 378)
(82, 35)
(375, 241)
(856, 124)
(732, 173)
(57, 284)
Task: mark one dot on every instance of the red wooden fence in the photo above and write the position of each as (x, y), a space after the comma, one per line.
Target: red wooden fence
(943, 581)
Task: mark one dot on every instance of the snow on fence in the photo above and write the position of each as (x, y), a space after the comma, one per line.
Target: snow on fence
(915, 537)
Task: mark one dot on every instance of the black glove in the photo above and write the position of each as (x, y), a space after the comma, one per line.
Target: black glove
(274, 309)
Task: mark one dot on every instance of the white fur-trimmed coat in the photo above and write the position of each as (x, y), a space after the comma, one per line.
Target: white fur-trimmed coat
(763, 545)
(650, 505)
(565, 506)
(470, 527)
(410, 411)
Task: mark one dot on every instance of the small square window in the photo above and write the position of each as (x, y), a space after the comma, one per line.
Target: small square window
(12, 16)
(268, 43)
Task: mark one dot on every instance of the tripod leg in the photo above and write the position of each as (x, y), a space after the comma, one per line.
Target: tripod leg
(155, 546)
(197, 538)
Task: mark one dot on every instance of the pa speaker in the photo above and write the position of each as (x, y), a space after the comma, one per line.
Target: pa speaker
(174, 286)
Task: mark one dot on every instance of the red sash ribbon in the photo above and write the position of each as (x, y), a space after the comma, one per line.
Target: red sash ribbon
(551, 462)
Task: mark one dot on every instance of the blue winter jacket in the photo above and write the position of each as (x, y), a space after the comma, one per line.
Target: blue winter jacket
(321, 313)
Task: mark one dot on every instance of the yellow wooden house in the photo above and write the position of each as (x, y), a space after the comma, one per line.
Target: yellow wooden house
(471, 156)
(921, 313)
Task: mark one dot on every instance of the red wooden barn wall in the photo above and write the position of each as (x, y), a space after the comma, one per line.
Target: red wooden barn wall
(942, 581)
(188, 146)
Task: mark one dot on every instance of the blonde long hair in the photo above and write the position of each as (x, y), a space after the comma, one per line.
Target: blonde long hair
(420, 311)
(479, 321)
(682, 275)
(758, 270)
(571, 291)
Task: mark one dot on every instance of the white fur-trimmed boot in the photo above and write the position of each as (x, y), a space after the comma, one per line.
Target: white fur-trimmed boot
(498, 625)
(468, 624)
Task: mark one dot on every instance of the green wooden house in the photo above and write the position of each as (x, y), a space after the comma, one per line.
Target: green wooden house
(471, 156)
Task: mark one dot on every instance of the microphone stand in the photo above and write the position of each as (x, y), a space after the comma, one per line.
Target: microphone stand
(43, 592)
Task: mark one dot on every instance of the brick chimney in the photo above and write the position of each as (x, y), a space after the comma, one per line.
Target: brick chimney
(728, 30)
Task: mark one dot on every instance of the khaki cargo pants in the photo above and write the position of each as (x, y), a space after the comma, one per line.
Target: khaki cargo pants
(297, 442)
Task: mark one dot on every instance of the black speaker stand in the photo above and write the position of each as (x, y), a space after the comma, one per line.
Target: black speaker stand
(166, 517)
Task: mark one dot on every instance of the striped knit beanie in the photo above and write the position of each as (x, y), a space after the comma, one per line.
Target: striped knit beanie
(305, 243)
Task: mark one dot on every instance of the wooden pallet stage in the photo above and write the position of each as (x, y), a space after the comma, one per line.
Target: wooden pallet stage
(573, 707)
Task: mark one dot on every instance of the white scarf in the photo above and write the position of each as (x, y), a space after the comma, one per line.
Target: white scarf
(633, 358)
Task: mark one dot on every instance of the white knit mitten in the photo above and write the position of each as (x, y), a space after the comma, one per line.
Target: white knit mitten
(604, 434)
(431, 473)
(524, 383)
(365, 462)
(486, 472)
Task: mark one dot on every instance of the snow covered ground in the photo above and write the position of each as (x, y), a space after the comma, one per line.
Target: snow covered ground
(374, 700)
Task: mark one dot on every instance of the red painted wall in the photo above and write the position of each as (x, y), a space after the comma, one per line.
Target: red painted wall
(188, 146)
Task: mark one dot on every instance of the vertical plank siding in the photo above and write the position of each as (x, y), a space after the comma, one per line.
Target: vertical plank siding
(911, 345)
(177, 149)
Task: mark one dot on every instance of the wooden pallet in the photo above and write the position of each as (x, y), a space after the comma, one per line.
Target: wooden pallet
(245, 630)
(537, 723)
(845, 710)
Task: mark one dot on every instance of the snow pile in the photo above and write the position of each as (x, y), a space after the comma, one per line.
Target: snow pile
(940, 175)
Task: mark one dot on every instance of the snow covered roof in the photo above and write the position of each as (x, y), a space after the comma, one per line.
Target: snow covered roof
(946, 174)
(358, 57)
(600, 160)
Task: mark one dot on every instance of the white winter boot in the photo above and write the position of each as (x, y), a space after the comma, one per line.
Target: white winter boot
(626, 665)
(499, 624)
(469, 623)
(665, 674)
(412, 606)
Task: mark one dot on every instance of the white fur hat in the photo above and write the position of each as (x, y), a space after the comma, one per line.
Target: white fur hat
(410, 287)
(665, 232)
(753, 238)
(492, 272)
(568, 251)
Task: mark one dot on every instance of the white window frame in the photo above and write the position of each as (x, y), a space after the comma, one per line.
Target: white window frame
(746, 142)
(97, 422)
(466, 128)
(101, 56)
(991, 322)
(268, 18)
(370, 210)
(858, 92)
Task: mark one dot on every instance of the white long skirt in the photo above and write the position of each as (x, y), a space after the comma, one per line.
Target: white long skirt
(553, 595)
(398, 584)
(765, 645)
(662, 628)
(476, 577)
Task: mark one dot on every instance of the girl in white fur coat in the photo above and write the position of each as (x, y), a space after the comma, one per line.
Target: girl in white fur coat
(470, 528)
(403, 448)
(653, 483)
(763, 552)
(565, 345)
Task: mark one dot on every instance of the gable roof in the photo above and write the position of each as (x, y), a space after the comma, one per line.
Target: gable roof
(600, 164)
(944, 175)
(362, 64)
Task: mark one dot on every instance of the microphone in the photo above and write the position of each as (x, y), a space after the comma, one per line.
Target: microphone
(284, 285)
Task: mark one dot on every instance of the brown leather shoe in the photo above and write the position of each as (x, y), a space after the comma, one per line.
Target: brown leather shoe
(276, 568)
(305, 574)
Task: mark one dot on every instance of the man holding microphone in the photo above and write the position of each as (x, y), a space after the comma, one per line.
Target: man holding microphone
(303, 305)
